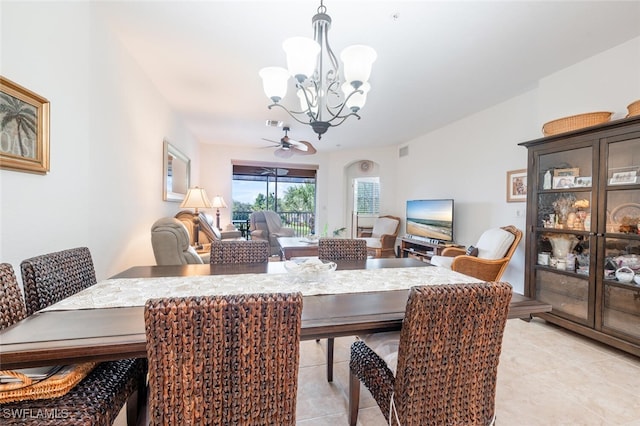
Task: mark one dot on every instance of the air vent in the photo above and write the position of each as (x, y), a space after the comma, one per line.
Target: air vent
(403, 152)
(273, 123)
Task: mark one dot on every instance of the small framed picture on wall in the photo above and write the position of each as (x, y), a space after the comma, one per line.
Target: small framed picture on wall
(517, 186)
(24, 129)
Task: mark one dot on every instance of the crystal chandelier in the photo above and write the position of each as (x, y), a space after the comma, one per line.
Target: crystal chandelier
(325, 100)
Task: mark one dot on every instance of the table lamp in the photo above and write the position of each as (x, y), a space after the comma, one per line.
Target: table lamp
(218, 203)
(196, 198)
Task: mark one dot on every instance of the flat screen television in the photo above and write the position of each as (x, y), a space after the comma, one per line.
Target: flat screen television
(430, 219)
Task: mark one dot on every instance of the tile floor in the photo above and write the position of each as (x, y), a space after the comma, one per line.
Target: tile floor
(547, 376)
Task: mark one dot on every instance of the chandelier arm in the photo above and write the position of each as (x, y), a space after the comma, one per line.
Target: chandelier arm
(285, 108)
(291, 113)
(334, 87)
(342, 118)
(310, 103)
(342, 106)
(332, 57)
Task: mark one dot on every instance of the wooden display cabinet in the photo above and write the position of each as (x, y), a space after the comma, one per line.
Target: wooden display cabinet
(583, 212)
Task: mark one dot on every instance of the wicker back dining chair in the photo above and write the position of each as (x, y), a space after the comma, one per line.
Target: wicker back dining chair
(52, 277)
(251, 251)
(336, 249)
(95, 400)
(229, 359)
(12, 307)
(447, 358)
(49, 278)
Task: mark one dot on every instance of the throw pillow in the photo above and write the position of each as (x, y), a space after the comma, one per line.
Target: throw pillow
(472, 251)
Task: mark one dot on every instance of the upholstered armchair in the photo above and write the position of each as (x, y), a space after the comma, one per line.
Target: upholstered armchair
(171, 243)
(494, 250)
(381, 239)
(208, 231)
(267, 225)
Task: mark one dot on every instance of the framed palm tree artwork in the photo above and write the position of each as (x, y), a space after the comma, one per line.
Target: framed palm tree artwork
(24, 129)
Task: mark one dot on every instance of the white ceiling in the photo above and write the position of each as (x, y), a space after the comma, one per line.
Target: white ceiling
(437, 61)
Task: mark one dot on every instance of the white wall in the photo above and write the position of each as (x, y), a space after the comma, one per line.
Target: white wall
(332, 183)
(108, 122)
(606, 82)
(468, 160)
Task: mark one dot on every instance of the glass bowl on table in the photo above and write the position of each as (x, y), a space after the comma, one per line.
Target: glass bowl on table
(309, 269)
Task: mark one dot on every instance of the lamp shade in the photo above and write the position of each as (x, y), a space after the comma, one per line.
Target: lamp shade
(357, 100)
(218, 202)
(274, 82)
(196, 198)
(302, 56)
(357, 61)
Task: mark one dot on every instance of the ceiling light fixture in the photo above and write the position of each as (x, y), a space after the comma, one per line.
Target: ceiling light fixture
(316, 72)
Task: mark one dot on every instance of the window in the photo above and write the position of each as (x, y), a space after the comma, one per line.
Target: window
(290, 191)
(367, 196)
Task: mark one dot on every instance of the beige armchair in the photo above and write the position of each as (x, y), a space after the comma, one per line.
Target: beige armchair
(266, 225)
(494, 250)
(381, 239)
(171, 245)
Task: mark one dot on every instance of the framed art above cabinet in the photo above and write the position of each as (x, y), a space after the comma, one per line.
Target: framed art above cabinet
(176, 173)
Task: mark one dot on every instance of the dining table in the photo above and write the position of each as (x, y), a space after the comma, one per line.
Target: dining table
(106, 321)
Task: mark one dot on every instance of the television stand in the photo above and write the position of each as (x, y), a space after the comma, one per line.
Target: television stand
(423, 248)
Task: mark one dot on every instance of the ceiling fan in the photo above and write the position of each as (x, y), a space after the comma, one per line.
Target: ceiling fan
(287, 146)
(274, 171)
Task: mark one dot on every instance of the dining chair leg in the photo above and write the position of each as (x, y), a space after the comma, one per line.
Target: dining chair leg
(330, 342)
(354, 398)
(137, 403)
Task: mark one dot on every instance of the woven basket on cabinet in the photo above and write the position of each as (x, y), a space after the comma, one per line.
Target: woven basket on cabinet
(575, 122)
(634, 108)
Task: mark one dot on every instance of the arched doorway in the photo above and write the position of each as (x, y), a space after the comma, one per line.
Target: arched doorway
(363, 195)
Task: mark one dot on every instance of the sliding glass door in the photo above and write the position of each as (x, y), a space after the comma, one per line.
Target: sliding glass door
(289, 191)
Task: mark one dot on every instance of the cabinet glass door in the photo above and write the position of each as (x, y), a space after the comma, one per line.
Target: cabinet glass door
(621, 259)
(564, 211)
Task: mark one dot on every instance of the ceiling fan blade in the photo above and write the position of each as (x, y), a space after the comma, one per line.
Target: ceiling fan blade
(276, 144)
(283, 153)
(296, 144)
(308, 148)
